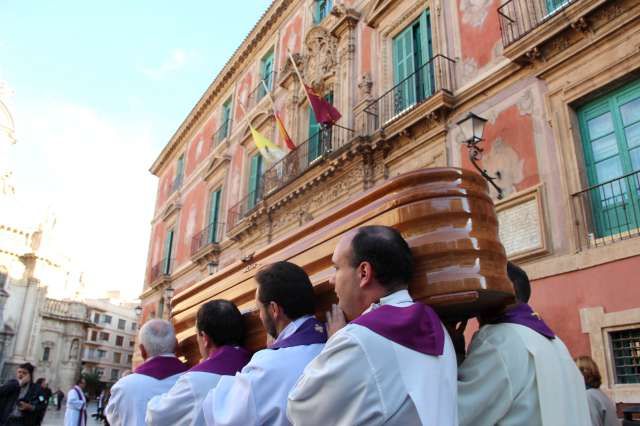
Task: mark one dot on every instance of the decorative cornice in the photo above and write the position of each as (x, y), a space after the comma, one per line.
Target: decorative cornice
(275, 14)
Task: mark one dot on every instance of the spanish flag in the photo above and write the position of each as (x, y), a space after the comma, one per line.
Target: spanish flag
(325, 113)
(283, 132)
(271, 152)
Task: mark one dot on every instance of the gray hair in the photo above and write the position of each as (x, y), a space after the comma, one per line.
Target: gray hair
(158, 337)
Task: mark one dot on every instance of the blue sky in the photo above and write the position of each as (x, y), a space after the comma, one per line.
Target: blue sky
(98, 90)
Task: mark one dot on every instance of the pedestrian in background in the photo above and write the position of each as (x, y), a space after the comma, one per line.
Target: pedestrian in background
(601, 409)
(20, 399)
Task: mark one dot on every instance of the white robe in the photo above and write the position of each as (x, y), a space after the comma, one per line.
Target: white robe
(182, 405)
(514, 376)
(362, 378)
(258, 394)
(129, 397)
(76, 405)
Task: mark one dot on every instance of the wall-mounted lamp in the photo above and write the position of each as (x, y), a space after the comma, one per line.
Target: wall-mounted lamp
(138, 311)
(212, 267)
(472, 128)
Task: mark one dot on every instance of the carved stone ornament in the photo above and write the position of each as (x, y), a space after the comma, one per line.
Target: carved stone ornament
(365, 85)
(320, 58)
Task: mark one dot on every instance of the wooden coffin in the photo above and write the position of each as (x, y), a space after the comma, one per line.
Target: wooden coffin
(445, 214)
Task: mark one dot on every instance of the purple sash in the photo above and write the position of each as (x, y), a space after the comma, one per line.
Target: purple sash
(82, 418)
(522, 314)
(416, 327)
(310, 332)
(226, 361)
(161, 367)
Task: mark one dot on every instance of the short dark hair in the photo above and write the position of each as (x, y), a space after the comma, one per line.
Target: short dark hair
(40, 381)
(289, 286)
(387, 252)
(222, 322)
(27, 366)
(520, 282)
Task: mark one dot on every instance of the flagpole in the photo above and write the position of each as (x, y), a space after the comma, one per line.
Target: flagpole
(295, 67)
(266, 89)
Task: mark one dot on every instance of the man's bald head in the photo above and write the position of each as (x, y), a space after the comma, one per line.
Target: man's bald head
(157, 337)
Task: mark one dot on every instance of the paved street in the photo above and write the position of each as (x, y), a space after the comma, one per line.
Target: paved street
(56, 418)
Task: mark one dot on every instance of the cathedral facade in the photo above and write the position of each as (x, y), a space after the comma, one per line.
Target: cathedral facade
(554, 82)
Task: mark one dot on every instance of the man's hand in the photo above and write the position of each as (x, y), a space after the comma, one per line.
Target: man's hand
(24, 406)
(335, 320)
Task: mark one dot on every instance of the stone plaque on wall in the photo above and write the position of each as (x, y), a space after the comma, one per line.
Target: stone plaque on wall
(521, 224)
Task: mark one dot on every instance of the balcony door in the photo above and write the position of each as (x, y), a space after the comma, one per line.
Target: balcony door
(255, 175)
(610, 130)
(413, 74)
(214, 211)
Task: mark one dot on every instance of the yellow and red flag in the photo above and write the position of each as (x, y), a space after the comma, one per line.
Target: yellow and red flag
(271, 152)
(283, 132)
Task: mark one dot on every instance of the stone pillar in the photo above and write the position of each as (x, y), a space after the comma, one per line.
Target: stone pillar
(345, 32)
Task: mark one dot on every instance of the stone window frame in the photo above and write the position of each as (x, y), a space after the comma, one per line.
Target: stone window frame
(598, 324)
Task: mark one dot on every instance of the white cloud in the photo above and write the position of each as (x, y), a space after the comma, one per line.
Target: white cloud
(175, 61)
(93, 171)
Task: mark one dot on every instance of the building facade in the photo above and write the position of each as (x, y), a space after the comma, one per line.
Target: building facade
(557, 81)
(110, 339)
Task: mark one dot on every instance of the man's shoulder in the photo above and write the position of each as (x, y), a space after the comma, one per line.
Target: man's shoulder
(283, 357)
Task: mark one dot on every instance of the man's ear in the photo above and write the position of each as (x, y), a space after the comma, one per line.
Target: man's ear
(143, 351)
(274, 309)
(365, 274)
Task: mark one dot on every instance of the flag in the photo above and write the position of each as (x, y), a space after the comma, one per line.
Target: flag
(283, 132)
(271, 152)
(325, 113)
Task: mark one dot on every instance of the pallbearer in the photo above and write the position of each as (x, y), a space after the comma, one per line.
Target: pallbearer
(258, 394)
(394, 363)
(518, 372)
(220, 334)
(160, 371)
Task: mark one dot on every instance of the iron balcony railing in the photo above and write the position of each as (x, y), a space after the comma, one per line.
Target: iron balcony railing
(432, 77)
(519, 17)
(162, 268)
(609, 212)
(259, 91)
(211, 234)
(245, 206)
(296, 162)
(222, 132)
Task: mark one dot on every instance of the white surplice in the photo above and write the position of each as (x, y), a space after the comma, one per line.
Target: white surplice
(258, 394)
(515, 376)
(76, 412)
(129, 397)
(182, 405)
(362, 378)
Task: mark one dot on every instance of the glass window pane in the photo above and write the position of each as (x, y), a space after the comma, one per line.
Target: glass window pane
(608, 169)
(630, 111)
(604, 147)
(633, 135)
(600, 126)
(635, 158)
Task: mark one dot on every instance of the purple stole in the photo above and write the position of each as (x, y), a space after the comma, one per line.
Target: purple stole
(82, 418)
(161, 367)
(226, 361)
(310, 332)
(416, 327)
(522, 314)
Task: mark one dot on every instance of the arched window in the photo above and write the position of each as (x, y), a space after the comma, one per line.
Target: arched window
(75, 349)
(46, 353)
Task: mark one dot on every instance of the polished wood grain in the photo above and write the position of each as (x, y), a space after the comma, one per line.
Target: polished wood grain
(445, 214)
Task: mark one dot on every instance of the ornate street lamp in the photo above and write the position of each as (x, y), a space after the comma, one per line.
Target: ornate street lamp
(212, 267)
(138, 311)
(168, 295)
(472, 128)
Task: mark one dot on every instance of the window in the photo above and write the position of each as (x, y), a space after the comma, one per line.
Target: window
(610, 132)
(119, 340)
(322, 9)
(99, 371)
(553, 5)
(122, 324)
(90, 353)
(129, 359)
(46, 353)
(104, 336)
(102, 354)
(134, 326)
(168, 252)
(226, 120)
(131, 343)
(413, 75)
(96, 318)
(106, 319)
(94, 335)
(114, 374)
(117, 357)
(626, 355)
(179, 173)
(255, 175)
(319, 138)
(266, 74)
(214, 211)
